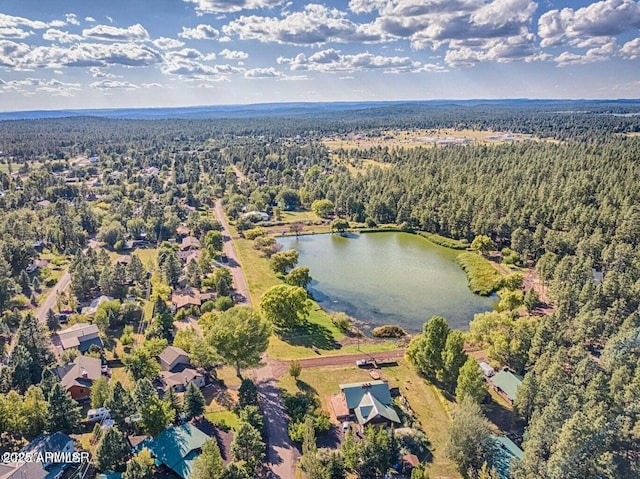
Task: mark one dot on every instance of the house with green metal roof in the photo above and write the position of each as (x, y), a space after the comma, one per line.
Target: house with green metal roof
(176, 448)
(367, 403)
(506, 452)
(506, 384)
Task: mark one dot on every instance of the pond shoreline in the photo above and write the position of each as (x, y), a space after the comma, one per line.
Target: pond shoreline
(389, 279)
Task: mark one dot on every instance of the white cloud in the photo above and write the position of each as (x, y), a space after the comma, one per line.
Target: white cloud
(97, 73)
(189, 54)
(72, 19)
(89, 19)
(11, 21)
(600, 19)
(228, 6)
(165, 43)
(134, 33)
(201, 32)
(332, 60)
(14, 32)
(113, 85)
(54, 35)
(316, 24)
(12, 53)
(631, 49)
(19, 55)
(30, 86)
(233, 54)
(263, 73)
(593, 55)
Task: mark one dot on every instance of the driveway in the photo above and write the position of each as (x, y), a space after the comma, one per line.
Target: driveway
(50, 301)
(282, 457)
(239, 279)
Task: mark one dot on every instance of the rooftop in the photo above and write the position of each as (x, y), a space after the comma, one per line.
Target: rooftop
(81, 371)
(177, 447)
(506, 451)
(507, 382)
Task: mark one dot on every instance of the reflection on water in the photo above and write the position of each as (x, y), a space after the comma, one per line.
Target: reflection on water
(387, 278)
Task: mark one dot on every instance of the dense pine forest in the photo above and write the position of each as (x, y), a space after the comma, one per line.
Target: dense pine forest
(566, 201)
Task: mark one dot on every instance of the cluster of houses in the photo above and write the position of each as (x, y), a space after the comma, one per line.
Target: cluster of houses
(370, 403)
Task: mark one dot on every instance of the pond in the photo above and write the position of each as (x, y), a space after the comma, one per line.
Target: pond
(387, 278)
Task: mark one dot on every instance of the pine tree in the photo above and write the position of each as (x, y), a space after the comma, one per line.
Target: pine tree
(111, 449)
(247, 446)
(194, 401)
(120, 403)
(52, 321)
(208, 465)
(64, 412)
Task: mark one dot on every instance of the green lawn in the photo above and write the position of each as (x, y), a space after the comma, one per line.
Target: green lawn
(432, 409)
(224, 418)
(256, 269)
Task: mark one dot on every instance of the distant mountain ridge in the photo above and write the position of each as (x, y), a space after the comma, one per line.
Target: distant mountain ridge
(300, 109)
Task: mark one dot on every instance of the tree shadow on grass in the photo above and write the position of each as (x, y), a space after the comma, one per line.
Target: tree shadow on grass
(503, 417)
(306, 388)
(311, 335)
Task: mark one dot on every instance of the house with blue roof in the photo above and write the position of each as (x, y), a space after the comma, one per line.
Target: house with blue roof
(505, 454)
(366, 403)
(176, 448)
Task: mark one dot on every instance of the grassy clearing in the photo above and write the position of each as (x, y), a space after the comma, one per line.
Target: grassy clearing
(432, 409)
(444, 241)
(256, 268)
(222, 417)
(482, 276)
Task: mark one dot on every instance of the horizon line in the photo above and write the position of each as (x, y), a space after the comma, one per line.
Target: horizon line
(344, 102)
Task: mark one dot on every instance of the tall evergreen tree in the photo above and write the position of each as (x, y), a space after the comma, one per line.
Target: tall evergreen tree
(64, 412)
(194, 401)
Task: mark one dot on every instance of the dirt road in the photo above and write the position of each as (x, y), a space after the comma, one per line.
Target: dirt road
(50, 301)
(280, 368)
(282, 457)
(239, 279)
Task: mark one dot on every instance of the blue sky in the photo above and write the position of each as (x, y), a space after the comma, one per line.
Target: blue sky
(126, 53)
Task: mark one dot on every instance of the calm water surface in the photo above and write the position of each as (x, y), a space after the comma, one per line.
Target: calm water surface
(387, 278)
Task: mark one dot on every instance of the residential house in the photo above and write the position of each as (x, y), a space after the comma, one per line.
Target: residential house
(124, 260)
(185, 298)
(57, 442)
(78, 376)
(506, 384)
(22, 470)
(190, 243)
(93, 306)
(177, 372)
(36, 265)
(80, 336)
(367, 403)
(176, 448)
(182, 231)
(189, 255)
(505, 454)
(171, 357)
(256, 215)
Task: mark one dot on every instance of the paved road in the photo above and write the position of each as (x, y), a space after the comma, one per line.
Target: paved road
(281, 455)
(239, 279)
(50, 301)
